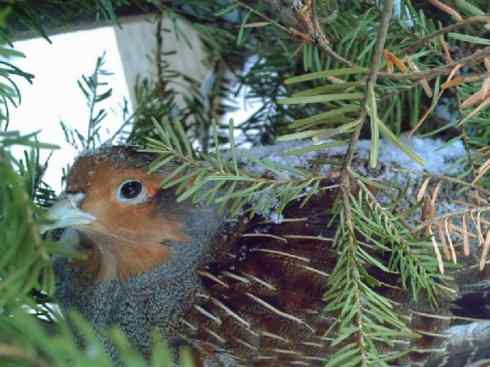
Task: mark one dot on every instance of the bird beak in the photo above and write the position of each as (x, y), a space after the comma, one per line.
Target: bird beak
(66, 213)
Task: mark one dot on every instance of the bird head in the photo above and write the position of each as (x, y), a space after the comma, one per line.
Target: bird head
(125, 222)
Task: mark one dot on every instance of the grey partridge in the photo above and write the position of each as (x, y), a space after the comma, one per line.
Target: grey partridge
(240, 292)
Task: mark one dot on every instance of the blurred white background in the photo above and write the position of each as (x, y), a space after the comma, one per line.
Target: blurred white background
(55, 96)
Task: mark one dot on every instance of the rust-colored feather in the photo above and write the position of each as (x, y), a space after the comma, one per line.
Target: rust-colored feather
(125, 240)
(252, 290)
(263, 300)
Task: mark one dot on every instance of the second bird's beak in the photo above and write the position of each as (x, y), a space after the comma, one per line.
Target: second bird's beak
(66, 213)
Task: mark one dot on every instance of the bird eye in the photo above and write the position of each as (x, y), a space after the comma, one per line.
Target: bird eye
(131, 191)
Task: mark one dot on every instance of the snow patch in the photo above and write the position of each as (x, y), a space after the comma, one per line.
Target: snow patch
(395, 167)
(440, 157)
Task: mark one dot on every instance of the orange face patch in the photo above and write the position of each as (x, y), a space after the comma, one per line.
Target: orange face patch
(129, 236)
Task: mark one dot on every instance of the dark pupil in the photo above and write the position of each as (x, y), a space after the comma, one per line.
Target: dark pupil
(131, 189)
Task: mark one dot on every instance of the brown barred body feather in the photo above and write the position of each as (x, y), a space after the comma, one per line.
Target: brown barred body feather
(240, 292)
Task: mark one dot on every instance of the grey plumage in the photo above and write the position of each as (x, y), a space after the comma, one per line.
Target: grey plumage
(154, 299)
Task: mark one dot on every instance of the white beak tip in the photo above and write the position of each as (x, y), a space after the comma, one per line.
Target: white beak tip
(65, 213)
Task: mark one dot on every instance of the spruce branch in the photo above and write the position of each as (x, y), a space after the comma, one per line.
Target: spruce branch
(477, 56)
(312, 34)
(452, 27)
(15, 353)
(26, 258)
(9, 92)
(221, 179)
(307, 13)
(367, 320)
(27, 342)
(90, 87)
(453, 214)
(286, 29)
(410, 257)
(352, 262)
(447, 9)
(361, 335)
(370, 96)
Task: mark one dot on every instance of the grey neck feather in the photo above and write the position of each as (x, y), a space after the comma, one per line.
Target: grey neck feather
(156, 299)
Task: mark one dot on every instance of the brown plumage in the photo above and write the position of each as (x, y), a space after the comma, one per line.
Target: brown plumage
(240, 292)
(256, 295)
(132, 235)
(264, 293)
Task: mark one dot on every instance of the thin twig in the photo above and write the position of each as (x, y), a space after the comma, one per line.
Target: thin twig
(446, 9)
(265, 17)
(469, 78)
(449, 28)
(450, 215)
(314, 35)
(441, 70)
(308, 16)
(347, 174)
(372, 76)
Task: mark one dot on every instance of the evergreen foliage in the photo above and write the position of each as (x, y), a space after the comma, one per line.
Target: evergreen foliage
(325, 69)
